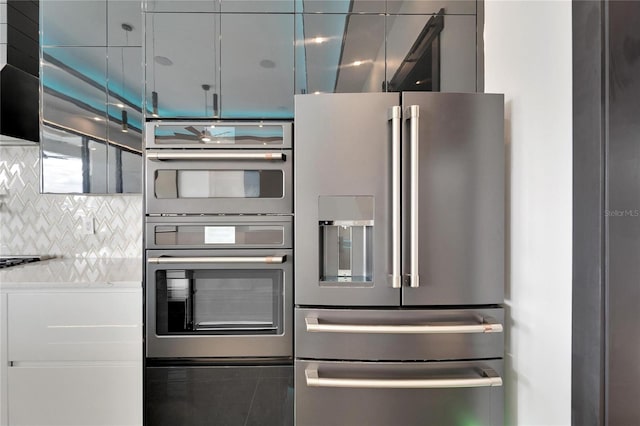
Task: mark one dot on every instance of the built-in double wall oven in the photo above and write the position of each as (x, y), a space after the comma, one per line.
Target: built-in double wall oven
(218, 279)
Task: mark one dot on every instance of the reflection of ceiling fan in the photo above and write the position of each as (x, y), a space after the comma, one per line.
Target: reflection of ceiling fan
(203, 135)
(206, 134)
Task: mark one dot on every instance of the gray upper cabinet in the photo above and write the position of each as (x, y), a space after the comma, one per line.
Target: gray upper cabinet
(74, 120)
(194, 72)
(431, 53)
(224, 6)
(182, 63)
(246, 59)
(258, 83)
(340, 53)
(341, 6)
(73, 23)
(257, 6)
(393, 7)
(91, 96)
(425, 7)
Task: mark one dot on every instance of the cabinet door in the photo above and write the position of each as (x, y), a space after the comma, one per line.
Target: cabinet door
(431, 53)
(194, 72)
(340, 53)
(74, 119)
(3, 359)
(423, 7)
(75, 326)
(73, 23)
(256, 66)
(182, 59)
(257, 6)
(75, 395)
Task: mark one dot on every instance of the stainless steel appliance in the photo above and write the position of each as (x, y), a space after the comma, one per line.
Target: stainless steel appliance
(219, 273)
(218, 168)
(399, 269)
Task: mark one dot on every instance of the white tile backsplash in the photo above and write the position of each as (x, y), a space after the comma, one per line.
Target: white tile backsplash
(34, 223)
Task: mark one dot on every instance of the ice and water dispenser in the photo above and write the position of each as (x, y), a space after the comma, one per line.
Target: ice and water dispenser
(346, 240)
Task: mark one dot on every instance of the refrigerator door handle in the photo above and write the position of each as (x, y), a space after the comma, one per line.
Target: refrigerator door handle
(487, 377)
(313, 325)
(413, 112)
(395, 116)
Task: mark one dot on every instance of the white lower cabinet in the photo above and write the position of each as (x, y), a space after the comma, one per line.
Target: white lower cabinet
(4, 363)
(75, 395)
(71, 358)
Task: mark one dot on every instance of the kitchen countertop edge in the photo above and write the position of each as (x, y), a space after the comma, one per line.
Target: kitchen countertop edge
(74, 274)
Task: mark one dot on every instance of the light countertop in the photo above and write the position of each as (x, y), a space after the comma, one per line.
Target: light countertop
(74, 273)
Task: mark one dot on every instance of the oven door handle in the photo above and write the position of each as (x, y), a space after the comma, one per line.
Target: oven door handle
(488, 377)
(227, 156)
(217, 259)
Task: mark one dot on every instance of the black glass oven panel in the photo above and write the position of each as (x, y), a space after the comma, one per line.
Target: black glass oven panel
(240, 235)
(256, 395)
(219, 301)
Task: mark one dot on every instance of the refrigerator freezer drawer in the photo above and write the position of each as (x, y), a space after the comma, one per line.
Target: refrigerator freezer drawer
(383, 394)
(392, 334)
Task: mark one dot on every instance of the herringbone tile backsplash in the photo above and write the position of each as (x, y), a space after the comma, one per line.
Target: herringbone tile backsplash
(50, 224)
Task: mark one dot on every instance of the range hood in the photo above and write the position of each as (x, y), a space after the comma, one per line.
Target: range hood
(19, 83)
(19, 107)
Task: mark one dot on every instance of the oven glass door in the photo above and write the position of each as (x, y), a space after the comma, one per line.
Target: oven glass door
(220, 303)
(210, 182)
(261, 135)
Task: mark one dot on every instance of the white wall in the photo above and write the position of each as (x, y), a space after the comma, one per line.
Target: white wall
(528, 58)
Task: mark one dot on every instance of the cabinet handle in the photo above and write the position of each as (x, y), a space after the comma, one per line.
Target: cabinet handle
(488, 378)
(217, 259)
(230, 156)
(314, 326)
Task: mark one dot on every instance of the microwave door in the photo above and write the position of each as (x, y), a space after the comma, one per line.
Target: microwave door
(453, 199)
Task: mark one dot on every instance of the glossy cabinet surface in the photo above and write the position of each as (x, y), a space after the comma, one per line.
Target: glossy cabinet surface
(194, 70)
(71, 357)
(4, 363)
(74, 327)
(222, 395)
(74, 394)
(91, 96)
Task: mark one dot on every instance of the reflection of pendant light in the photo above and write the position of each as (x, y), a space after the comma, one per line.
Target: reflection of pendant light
(154, 94)
(154, 102)
(206, 88)
(125, 122)
(215, 104)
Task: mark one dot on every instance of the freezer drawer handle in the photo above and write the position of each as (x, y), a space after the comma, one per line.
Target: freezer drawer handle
(198, 155)
(486, 327)
(489, 378)
(218, 259)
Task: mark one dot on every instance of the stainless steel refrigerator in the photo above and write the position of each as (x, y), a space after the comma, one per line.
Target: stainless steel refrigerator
(399, 269)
